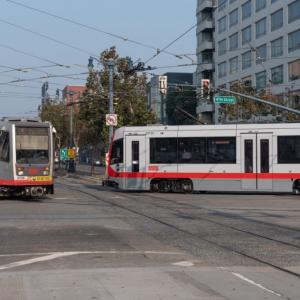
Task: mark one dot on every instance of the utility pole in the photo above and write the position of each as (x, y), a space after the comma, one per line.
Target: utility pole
(111, 66)
(71, 119)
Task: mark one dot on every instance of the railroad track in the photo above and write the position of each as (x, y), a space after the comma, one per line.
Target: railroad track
(231, 249)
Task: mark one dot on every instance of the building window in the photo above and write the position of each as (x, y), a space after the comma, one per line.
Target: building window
(246, 10)
(233, 17)
(233, 65)
(277, 75)
(233, 41)
(222, 47)
(294, 70)
(277, 20)
(222, 24)
(261, 27)
(261, 54)
(260, 4)
(294, 41)
(246, 35)
(222, 69)
(277, 47)
(273, 1)
(246, 60)
(261, 80)
(294, 11)
(222, 4)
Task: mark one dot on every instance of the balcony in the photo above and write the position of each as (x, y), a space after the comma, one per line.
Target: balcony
(205, 4)
(205, 45)
(204, 107)
(204, 25)
(206, 66)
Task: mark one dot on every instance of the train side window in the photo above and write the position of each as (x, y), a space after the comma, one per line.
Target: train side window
(221, 150)
(4, 146)
(248, 153)
(288, 149)
(191, 150)
(163, 150)
(117, 152)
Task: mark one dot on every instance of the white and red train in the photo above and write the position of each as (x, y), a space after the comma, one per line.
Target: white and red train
(240, 157)
(26, 157)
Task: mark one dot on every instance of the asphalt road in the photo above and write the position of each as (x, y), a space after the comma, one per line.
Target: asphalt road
(93, 242)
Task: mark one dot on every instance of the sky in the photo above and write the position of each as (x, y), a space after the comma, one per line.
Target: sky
(28, 57)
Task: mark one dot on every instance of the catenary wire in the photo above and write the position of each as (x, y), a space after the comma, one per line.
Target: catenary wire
(125, 39)
(47, 37)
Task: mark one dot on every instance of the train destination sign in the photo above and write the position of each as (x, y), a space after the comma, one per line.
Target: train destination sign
(225, 99)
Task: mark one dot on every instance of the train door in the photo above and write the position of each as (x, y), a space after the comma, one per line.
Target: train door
(135, 161)
(257, 161)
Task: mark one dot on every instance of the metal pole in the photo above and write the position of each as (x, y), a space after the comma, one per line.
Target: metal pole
(296, 111)
(71, 121)
(111, 65)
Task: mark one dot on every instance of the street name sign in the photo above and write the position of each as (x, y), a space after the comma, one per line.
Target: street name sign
(225, 99)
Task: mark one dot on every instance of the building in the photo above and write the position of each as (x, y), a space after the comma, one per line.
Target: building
(72, 94)
(256, 42)
(156, 97)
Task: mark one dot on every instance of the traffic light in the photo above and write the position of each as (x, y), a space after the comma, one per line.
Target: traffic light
(205, 88)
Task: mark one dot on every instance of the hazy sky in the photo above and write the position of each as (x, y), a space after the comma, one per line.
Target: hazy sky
(155, 23)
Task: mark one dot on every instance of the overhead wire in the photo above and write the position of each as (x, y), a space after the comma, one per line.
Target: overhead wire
(125, 39)
(47, 37)
(31, 55)
(171, 43)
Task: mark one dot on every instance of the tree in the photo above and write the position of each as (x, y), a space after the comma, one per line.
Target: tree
(185, 99)
(56, 112)
(130, 99)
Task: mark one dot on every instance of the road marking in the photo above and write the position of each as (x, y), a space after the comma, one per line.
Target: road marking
(255, 284)
(184, 264)
(54, 255)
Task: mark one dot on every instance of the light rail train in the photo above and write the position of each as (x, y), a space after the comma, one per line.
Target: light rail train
(26, 157)
(240, 157)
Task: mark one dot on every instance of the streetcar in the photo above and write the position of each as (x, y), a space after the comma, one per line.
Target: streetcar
(26, 157)
(235, 157)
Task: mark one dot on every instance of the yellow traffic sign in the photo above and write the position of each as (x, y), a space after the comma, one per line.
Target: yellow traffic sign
(71, 153)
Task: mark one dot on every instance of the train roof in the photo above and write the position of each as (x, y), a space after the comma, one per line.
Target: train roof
(245, 126)
(21, 119)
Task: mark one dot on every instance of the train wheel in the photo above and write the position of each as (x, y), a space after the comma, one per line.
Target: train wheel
(187, 186)
(296, 187)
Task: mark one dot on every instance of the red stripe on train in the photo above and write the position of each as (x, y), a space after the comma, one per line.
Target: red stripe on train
(209, 175)
(10, 182)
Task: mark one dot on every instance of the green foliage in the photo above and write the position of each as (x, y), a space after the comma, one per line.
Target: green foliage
(56, 113)
(130, 99)
(184, 99)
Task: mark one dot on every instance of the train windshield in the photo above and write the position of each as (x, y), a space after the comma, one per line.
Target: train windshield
(32, 145)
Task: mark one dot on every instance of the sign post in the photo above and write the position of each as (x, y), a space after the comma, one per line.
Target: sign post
(224, 99)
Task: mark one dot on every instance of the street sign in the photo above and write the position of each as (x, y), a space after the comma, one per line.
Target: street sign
(71, 153)
(225, 99)
(111, 119)
(63, 154)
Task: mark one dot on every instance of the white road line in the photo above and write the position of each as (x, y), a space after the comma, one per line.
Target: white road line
(51, 256)
(184, 264)
(255, 284)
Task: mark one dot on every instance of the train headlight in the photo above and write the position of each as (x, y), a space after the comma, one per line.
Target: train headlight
(45, 173)
(20, 173)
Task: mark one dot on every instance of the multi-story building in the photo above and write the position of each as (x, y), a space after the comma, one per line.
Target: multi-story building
(156, 99)
(256, 42)
(72, 93)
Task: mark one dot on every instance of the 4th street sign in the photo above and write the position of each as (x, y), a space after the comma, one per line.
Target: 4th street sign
(225, 99)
